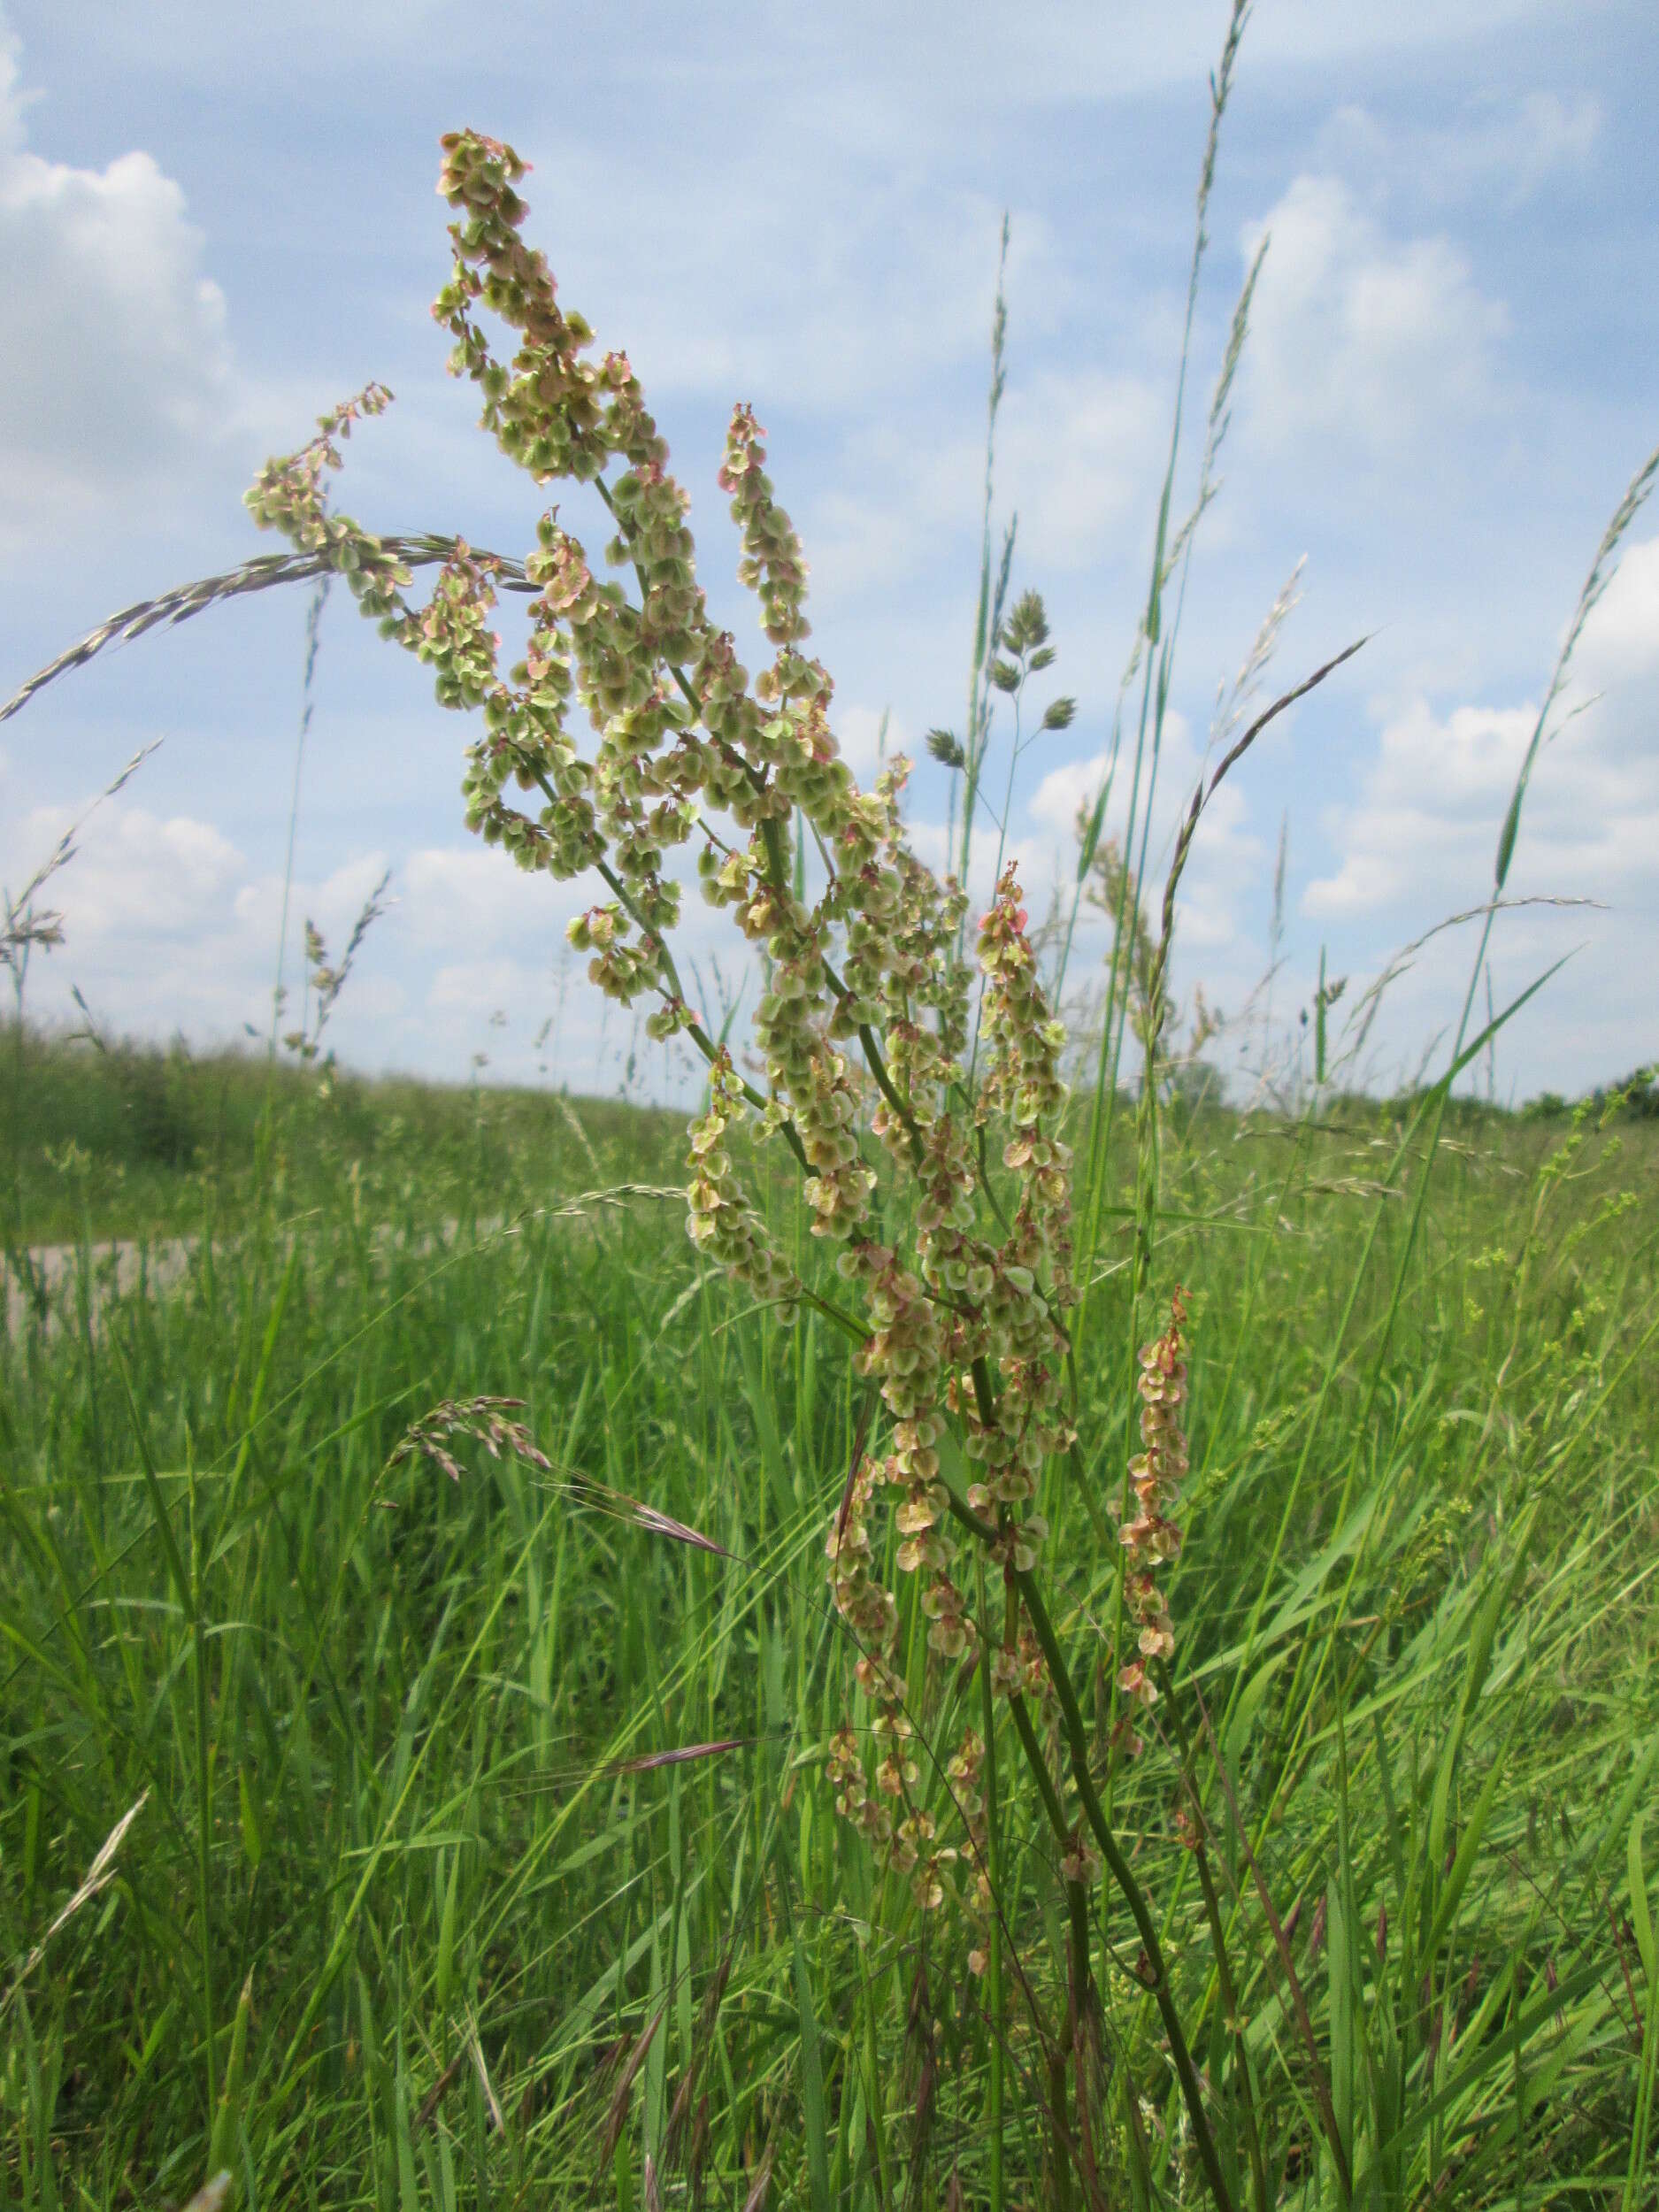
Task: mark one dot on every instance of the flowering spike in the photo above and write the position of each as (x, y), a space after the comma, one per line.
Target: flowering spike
(1151, 1537)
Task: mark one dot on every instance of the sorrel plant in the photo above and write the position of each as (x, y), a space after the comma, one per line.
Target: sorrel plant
(925, 1122)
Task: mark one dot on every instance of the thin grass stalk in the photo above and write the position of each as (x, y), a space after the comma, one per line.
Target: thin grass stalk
(204, 1802)
(993, 1972)
(313, 623)
(1076, 1738)
(1063, 2144)
(1600, 572)
(1333, 1355)
(1303, 2019)
(1108, 1058)
(985, 615)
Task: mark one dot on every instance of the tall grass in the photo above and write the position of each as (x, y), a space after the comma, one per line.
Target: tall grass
(118, 1140)
(394, 1736)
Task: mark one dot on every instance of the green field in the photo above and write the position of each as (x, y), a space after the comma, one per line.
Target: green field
(407, 1916)
(126, 1142)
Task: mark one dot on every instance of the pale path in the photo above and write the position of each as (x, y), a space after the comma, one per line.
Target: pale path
(125, 1264)
(121, 1265)
(117, 1268)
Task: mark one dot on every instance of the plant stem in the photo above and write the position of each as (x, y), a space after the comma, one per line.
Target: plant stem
(1123, 1874)
(1155, 1980)
(1056, 1811)
(1227, 1991)
(993, 1972)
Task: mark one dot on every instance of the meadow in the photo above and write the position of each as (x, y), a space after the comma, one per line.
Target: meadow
(472, 1731)
(415, 1909)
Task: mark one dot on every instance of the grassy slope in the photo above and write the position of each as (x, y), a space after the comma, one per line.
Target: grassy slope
(129, 1140)
(380, 1722)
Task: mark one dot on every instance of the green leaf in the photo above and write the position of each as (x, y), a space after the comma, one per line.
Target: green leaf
(1468, 1846)
(446, 1933)
(1640, 1918)
(1480, 1643)
(1507, 835)
(1250, 1704)
(252, 1840)
(228, 2118)
(812, 2057)
(763, 1407)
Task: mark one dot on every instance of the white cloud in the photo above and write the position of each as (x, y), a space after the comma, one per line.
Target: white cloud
(132, 875)
(1434, 795)
(471, 899)
(471, 987)
(1080, 453)
(1421, 834)
(1506, 146)
(1620, 645)
(1222, 834)
(334, 904)
(165, 925)
(1065, 790)
(114, 366)
(1079, 457)
(859, 732)
(470, 904)
(1358, 338)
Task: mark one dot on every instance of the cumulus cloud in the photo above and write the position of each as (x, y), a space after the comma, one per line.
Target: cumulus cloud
(1433, 795)
(165, 924)
(1508, 147)
(471, 899)
(1079, 457)
(1081, 453)
(332, 902)
(1222, 833)
(1224, 872)
(132, 871)
(864, 741)
(1620, 646)
(1358, 337)
(467, 986)
(115, 368)
(1422, 829)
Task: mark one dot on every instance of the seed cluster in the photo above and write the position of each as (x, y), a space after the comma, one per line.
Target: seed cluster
(935, 1172)
(1150, 1537)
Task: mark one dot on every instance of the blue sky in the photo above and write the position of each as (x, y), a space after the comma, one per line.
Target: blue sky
(215, 222)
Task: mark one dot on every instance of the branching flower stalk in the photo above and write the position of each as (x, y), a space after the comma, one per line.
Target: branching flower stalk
(862, 1030)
